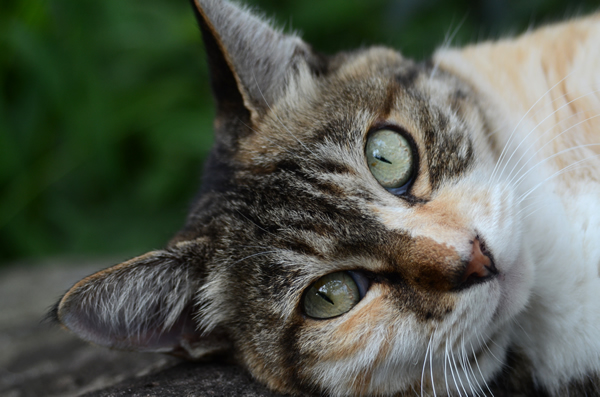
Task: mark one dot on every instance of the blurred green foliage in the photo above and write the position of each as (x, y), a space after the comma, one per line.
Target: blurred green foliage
(106, 112)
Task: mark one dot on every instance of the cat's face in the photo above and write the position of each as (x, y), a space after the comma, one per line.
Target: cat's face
(302, 203)
(325, 265)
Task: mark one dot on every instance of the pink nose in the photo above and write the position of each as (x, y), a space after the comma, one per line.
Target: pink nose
(480, 267)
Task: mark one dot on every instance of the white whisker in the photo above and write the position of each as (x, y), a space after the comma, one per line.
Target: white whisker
(480, 372)
(445, 366)
(501, 157)
(425, 363)
(559, 172)
(446, 44)
(251, 256)
(555, 154)
(535, 204)
(484, 344)
(431, 365)
(471, 370)
(519, 181)
(537, 125)
(462, 361)
(532, 156)
(458, 376)
(452, 373)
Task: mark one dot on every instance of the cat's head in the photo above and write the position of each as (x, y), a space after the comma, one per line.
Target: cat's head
(348, 237)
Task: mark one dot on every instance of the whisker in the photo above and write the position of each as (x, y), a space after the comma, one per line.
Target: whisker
(431, 365)
(559, 172)
(505, 123)
(501, 157)
(532, 156)
(424, 364)
(537, 125)
(500, 128)
(567, 93)
(446, 44)
(535, 203)
(539, 207)
(464, 368)
(459, 377)
(251, 256)
(480, 372)
(255, 224)
(547, 143)
(531, 213)
(452, 373)
(519, 181)
(484, 343)
(445, 366)
(471, 370)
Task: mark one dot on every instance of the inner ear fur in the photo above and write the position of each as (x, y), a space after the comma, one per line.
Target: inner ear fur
(144, 304)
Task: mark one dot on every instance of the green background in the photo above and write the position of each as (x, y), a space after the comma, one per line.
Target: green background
(106, 112)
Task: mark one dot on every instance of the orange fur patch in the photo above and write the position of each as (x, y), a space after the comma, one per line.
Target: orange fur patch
(526, 71)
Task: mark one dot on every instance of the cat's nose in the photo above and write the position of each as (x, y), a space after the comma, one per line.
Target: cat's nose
(480, 267)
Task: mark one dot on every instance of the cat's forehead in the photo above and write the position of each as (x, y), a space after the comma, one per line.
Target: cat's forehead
(299, 183)
(322, 123)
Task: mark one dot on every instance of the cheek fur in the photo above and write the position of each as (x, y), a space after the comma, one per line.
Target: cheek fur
(350, 354)
(347, 353)
(348, 335)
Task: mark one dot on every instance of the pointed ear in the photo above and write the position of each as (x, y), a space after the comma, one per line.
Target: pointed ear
(250, 62)
(144, 304)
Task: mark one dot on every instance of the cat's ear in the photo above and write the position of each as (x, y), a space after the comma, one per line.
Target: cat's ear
(250, 62)
(144, 304)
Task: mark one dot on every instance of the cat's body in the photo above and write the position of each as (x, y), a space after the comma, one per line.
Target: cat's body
(480, 268)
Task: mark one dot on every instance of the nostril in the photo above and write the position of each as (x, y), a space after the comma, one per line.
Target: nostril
(480, 267)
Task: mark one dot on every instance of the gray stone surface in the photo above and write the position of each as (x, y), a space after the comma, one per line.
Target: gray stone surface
(190, 380)
(41, 359)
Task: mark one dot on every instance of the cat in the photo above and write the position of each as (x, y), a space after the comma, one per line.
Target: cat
(372, 225)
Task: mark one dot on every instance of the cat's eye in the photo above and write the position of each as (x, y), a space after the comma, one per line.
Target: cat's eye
(334, 294)
(390, 158)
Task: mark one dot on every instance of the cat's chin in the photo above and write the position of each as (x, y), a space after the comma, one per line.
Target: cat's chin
(480, 367)
(511, 291)
(516, 284)
(482, 355)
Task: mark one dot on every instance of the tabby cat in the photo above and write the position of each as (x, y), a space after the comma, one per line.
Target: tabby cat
(371, 225)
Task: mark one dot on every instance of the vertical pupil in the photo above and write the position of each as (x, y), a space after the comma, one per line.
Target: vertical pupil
(325, 297)
(389, 158)
(381, 158)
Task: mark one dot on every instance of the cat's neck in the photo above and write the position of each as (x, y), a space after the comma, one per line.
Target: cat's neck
(562, 319)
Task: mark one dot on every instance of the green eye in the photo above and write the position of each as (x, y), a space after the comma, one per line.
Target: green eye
(333, 295)
(390, 158)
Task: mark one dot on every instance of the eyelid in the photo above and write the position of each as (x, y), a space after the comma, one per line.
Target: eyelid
(362, 282)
